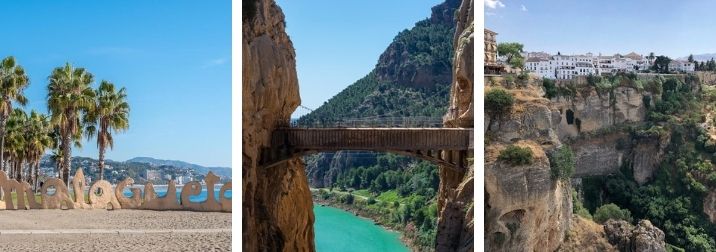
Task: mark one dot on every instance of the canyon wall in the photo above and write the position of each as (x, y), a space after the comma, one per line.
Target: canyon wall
(277, 207)
(590, 111)
(455, 194)
(595, 124)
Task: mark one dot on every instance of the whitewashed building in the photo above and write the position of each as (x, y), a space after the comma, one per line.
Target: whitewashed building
(569, 66)
(681, 66)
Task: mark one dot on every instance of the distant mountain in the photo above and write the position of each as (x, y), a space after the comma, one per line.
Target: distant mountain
(221, 171)
(701, 57)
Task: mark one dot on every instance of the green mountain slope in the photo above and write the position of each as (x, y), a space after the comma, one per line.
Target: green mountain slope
(411, 79)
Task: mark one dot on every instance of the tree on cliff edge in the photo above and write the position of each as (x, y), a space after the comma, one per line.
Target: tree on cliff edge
(513, 51)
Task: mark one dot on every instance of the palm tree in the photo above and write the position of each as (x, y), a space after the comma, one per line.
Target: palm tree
(16, 142)
(13, 82)
(69, 97)
(37, 140)
(110, 114)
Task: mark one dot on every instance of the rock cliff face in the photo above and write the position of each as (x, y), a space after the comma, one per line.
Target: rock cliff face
(277, 206)
(710, 206)
(600, 155)
(405, 64)
(526, 210)
(592, 112)
(455, 195)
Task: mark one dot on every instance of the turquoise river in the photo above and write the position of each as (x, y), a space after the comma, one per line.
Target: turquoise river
(338, 230)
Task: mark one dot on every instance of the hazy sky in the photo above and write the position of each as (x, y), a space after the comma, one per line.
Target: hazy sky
(174, 57)
(672, 28)
(339, 42)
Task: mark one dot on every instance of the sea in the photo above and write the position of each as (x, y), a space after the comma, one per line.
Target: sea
(162, 191)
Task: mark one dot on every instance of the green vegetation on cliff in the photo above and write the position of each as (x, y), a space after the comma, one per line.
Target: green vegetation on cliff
(516, 155)
(673, 199)
(368, 97)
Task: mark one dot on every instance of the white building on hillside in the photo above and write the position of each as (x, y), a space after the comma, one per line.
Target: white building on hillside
(569, 66)
(681, 66)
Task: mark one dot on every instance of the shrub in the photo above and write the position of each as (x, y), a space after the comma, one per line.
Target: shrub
(550, 89)
(348, 199)
(516, 155)
(578, 207)
(498, 101)
(523, 78)
(371, 201)
(324, 194)
(509, 81)
(611, 211)
(561, 163)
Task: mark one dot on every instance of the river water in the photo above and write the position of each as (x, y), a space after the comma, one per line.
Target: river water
(338, 230)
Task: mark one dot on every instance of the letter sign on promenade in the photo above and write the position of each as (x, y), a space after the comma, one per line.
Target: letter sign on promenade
(102, 196)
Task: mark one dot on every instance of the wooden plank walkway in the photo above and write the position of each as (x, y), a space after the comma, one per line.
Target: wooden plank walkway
(331, 139)
(444, 146)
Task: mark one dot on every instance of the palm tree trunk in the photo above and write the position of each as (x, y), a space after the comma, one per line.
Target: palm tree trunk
(18, 171)
(35, 167)
(101, 162)
(2, 142)
(67, 154)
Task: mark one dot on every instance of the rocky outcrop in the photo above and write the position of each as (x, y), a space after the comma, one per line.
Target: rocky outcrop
(642, 238)
(607, 153)
(602, 155)
(533, 117)
(586, 235)
(455, 194)
(710, 206)
(591, 111)
(646, 156)
(525, 209)
(277, 206)
(417, 66)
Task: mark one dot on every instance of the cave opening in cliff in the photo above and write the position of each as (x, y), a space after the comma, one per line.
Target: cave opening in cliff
(570, 117)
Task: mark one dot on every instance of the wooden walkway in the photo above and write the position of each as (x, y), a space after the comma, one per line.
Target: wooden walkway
(444, 146)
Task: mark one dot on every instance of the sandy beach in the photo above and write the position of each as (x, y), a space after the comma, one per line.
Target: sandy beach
(119, 230)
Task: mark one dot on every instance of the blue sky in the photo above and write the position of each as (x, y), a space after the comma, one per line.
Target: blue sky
(339, 42)
(672, 28)
(174, 58)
